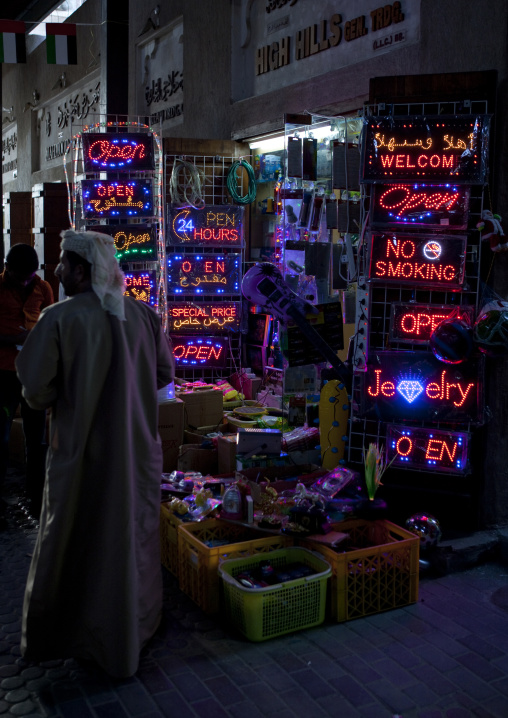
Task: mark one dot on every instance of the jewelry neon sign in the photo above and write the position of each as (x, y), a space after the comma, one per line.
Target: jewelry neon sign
(425, 148)
(421, 205)
(414, 323)
(433, 450)
(141, 285)
(414, 385)
(417, 259)
(103, 198)
(203, 274)
(200, 351)
(204, 317)
(213, 226)
(107, 151)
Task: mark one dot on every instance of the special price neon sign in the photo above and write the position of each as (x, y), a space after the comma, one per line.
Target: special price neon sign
(200, 351)
(129, 198)
(141, 285)
(425, 148)
(421, 205)
(433, 450)
(429, 261)
(414, 323)
(415, 385)
(213, 226)
(107, 151)
(203, 274)
(208, 317)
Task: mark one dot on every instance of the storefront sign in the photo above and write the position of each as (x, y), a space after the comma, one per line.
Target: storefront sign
(141, 285)
(117, 152)
(199, 351)
(428, 261)
(414, 323)
(103, 198)
(433, 450)
(206, 317)
(213, 226)
(203, 274)
(133, 242)
(443, 149)
(421, 205)
(416, 386)
(10, 154)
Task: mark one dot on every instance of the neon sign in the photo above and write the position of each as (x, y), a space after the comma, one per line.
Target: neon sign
(200, 351)
(213, 226)
(106, 151)
(414, 323)
(415, 385)
(204, 274)
(421, 205)
(133, 242)
(141, 285)
(446, 149)
(204, 317)
(433, 450)
(429, 261)
(130, 198)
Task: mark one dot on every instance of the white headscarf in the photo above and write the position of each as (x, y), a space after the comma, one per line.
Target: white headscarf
(108, 281)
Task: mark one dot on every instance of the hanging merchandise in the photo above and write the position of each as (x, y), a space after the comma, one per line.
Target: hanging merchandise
(491, 329)
(186, 185)
(232, 183)
(491, 229)
(452, 340)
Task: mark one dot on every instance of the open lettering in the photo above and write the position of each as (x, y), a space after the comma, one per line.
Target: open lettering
(102, 151)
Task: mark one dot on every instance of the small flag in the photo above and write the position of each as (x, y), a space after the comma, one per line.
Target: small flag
(61, 44)
(12, 41)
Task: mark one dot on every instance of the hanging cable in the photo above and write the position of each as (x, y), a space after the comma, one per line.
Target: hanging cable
(231, 183)
(186, 191)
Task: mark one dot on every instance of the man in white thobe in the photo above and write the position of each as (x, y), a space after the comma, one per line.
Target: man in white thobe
(96, 360)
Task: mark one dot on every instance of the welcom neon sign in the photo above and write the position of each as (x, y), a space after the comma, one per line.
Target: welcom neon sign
(421, 205)
(140, 285)
(204, 317)
(106, 151)
(433, 450)
(200, 351)
(415, 385)
(414, 323)
(424, 148)
(416, 259)
(213, 226)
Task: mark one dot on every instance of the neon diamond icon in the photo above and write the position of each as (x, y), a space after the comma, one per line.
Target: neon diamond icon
(409, 389)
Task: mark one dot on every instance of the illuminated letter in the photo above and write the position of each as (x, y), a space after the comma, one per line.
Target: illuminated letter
(399, 450)
(412, 249)
(464, 393)
(422, 161)
(186, 266)
(380, 269)
(431, 448)
(433, 391)
(377, 372)
(449, 272)
(403, 324)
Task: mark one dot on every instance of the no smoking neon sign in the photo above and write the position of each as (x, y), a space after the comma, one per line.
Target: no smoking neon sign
(433, 450)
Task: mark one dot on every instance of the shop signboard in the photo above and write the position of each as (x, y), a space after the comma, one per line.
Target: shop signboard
(408, 386)
(419, 260)
(436, 450)
(129, 152)
(133, 242)
(429, 149)
(142, 286)
(414, 323)
(203, 274)
(211, 226)
(204, 318)
(117, 198)
(417, 205)
(200, 351)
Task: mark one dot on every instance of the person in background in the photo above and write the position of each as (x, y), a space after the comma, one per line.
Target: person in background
(94, 589)
(23, 295)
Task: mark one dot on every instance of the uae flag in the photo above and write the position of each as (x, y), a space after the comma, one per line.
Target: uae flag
(12, 41)
(61, 44)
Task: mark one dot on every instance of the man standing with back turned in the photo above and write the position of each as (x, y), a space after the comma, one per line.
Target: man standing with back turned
(94, 588)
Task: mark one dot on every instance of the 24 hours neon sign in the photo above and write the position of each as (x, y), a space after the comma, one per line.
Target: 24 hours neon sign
(213, 226)
(435, 450)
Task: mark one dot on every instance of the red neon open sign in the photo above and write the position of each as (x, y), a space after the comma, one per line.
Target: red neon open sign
(433, 450)
(200, 351)
(414, 323)
(103, 151)
(421, 205)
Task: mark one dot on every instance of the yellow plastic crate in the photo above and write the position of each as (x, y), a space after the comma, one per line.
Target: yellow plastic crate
(262, 613)
(375, 570)
(200, 553)
(169, 523)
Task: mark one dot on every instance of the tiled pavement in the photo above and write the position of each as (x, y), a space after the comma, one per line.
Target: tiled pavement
(443, 657)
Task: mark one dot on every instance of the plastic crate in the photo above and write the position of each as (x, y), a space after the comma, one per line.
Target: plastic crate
(375, 570)
(262, 613)
(169, 523)
(199, 561)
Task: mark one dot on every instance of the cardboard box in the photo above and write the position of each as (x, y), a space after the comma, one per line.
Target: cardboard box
(226, 450)
(196, 435)
(202, 408)
(171, 418)
(248, 387)
(192, 457)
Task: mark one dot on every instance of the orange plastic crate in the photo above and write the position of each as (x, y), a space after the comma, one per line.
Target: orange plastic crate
(201, 550)
(375, 570)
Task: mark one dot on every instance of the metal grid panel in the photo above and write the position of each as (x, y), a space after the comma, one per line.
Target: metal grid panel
(214, 171)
